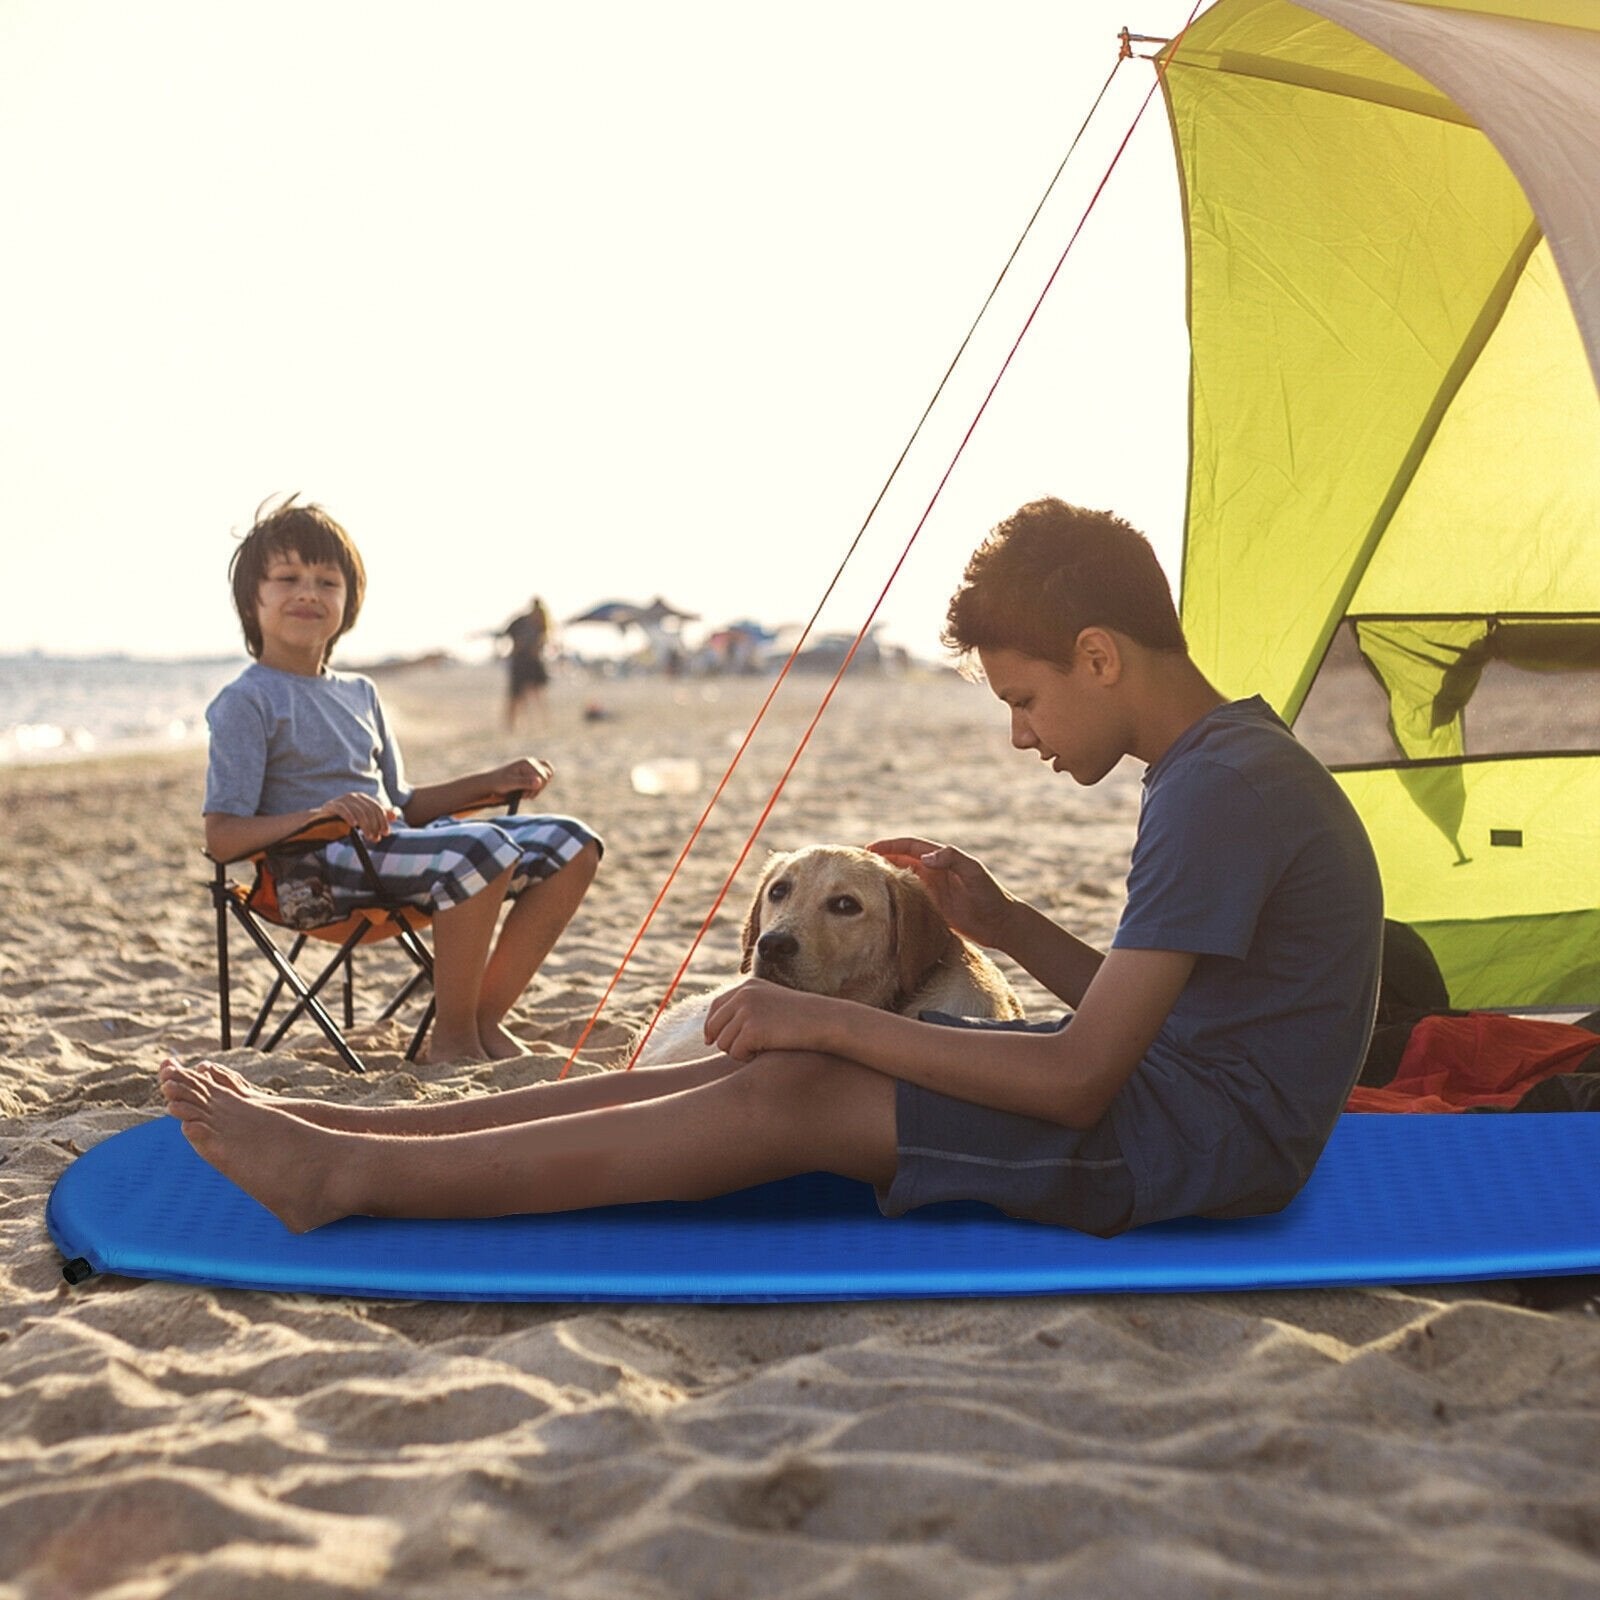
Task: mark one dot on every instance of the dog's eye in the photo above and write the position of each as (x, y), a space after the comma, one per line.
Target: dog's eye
(845, 905)
(778, 891)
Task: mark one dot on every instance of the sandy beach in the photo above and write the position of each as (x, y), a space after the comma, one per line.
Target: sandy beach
(158, 1440)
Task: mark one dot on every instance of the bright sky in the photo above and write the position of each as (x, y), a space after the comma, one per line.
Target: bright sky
(589, 301)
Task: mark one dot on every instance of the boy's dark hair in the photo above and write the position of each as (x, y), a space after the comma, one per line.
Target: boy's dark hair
(306, 531)
(1052, 570)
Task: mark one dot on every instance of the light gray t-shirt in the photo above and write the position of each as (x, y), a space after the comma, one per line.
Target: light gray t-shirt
(282, 742)
(1250, 856)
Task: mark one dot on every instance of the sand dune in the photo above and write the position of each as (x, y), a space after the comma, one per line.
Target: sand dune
(167, 1441)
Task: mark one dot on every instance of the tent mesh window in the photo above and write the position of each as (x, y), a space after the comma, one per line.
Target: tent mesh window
(1396, 689)
(1471, 748)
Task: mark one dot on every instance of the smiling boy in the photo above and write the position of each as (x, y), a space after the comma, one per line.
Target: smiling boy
(292, 742)
(1206, 1059)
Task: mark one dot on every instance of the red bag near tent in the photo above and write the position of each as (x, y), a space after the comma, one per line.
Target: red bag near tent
(1481, 1060)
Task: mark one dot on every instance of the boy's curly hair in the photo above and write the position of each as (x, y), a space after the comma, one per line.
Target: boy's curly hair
(306, 531)
(1051, 570)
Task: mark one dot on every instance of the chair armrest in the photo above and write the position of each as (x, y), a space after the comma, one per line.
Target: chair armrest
(507, 802)
(323, 829)
(319, 831)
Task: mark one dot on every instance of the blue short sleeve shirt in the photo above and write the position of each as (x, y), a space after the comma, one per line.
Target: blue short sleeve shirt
(1250, 856)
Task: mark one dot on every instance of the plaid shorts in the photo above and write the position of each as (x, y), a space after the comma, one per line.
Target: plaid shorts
(448, 861)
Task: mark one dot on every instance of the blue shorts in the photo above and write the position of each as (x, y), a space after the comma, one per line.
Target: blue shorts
(452, 859)
(949, 1149)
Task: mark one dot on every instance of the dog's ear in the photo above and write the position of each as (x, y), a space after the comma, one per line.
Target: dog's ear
(752, 921)
(922, 936)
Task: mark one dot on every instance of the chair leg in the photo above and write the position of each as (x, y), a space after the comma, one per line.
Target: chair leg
(412, 944)
(219, 897)
(309, 993)
(415, 1047)
(402, 994)
(308, 1000)
(273, 994)
(410, 941)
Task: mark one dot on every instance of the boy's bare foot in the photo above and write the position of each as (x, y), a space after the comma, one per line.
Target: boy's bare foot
(288, 1165)
(499, 1045)
(215, 1072)
(446, 1050)
(323, 1113)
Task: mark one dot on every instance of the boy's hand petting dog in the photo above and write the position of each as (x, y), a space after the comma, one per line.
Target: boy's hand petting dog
(972, 902)
(360, 811)
(527, 777)
(757, 1015)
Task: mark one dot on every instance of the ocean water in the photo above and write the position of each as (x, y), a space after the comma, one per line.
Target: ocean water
(61, 708)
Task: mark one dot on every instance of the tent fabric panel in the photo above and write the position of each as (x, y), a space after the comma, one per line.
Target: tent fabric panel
(1519, 963)
(1306, 241)
(1492, 863)
(1502, 512)
(1278, 41)
(1535, 91)
(1474, 840)
(1562, 13)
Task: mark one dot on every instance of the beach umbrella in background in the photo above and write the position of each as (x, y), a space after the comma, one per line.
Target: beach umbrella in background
(621, 612)
(625, 614)
(1392, 215)
(659, 614)
(659, 622)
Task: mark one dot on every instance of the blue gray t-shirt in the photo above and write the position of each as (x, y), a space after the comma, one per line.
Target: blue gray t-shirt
(282, 742)
(1249, 855)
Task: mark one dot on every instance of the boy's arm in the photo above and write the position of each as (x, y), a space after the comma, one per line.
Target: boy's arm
(1060, 960)
(230, 838)
(430, 801)
(1069, 1077)
(974, 904)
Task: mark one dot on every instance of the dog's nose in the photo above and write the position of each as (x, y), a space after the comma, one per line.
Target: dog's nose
(776, 946)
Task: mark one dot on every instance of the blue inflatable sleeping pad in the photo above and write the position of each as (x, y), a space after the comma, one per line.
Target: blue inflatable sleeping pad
(1394, 1199)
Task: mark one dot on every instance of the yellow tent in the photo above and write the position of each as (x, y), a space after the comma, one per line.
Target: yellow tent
(1393, 223)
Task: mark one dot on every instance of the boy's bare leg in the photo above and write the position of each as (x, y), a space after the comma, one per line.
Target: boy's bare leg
(461, 938)
(785, 1113)
(532, 926)
(503, 1110)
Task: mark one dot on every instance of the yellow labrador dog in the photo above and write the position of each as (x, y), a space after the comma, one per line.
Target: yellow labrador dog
(839, 921)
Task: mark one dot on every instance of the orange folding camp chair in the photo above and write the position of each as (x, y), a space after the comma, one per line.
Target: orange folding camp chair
(286, 894)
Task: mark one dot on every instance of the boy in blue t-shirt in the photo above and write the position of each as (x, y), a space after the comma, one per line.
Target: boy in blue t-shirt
(293, 741)
(1206, 1060)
